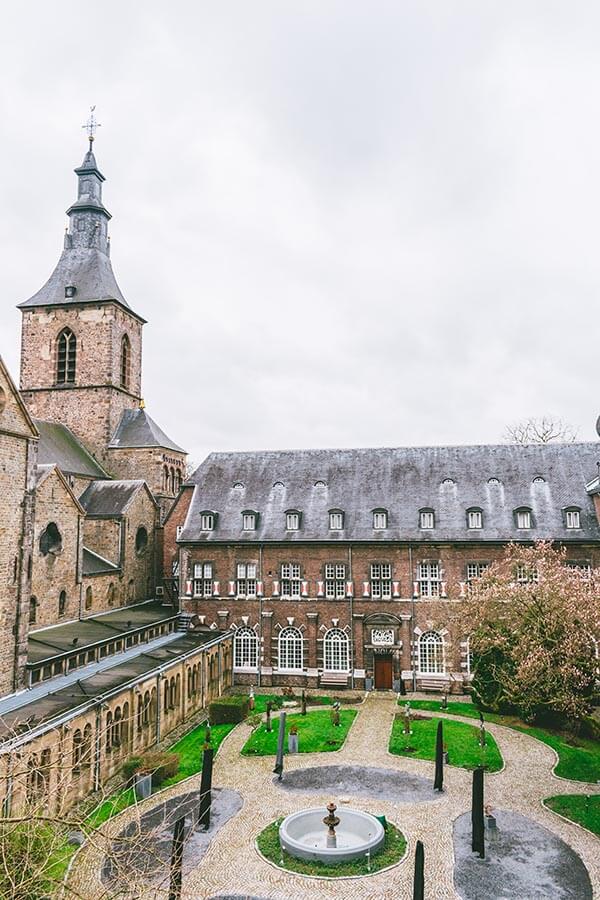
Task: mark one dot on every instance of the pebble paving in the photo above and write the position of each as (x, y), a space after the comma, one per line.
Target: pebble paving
(232, 866)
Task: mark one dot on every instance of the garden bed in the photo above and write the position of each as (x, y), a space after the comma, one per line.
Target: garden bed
(460, 739)
(316, 733)
(584, 809)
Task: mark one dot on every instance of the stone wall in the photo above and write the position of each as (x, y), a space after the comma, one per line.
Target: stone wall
(59, 570)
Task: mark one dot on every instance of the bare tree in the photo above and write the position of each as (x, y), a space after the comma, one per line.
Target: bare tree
(540, 430)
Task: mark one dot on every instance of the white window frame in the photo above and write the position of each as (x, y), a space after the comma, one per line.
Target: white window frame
(427, 519)
(336, 651)
(249, 521)
(430, 579)
(524, 518)
(335, 581)
(245, 649)
(573, 518)
(526, 574)
(475, 570)
(475, 518)
(207, 522)
(246, 578)
(292, 521)
(203, 579)
(381, 581)
(583, 568)
(291, 581)
(336, 521)
(380, 520)
(431, 654)
(290, 650)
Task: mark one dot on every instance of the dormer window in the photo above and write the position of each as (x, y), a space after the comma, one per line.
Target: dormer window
(523, 518)
(474, 518)
(207, 521)
(573, 518)
(336, 520)
(292, 520)
(70, 291)
(249, 520)
(426, 519)
(380, 519)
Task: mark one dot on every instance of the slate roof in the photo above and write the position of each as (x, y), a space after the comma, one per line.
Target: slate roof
(403, 481)
(59, 446)
(94, 564)
(138, 429)
(109, 499)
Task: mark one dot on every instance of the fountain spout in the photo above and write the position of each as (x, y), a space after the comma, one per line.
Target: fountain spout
(331, 820)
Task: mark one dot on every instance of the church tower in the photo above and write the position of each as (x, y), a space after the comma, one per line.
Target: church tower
(81, 351)
(81, 343)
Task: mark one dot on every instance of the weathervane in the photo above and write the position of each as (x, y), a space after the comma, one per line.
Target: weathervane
(91, 125)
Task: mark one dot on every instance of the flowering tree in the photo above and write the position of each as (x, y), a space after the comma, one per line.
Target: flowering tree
(534, 624)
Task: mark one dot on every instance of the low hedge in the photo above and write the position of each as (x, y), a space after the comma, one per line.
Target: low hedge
(162, 765)
(228, 710)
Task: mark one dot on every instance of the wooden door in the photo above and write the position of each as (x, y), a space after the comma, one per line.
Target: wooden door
(383, 673)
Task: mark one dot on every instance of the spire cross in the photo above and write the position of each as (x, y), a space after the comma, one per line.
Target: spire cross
(91, 126)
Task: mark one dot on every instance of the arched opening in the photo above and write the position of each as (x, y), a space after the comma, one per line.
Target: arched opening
(335, 651)
(66, 354)
(88, 597)
(245, 649)
(291, 655)
(50, 539)
(62, 603)
(431, 653)
(141, 540)
(125, 363)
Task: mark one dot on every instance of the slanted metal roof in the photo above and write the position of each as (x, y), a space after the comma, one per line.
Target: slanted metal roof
(449, 480)
(138, 429)
(94, 564)
(59, 446)
(109, 499)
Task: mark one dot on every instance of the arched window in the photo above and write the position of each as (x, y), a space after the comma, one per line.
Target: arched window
(335, 651)
(166, 479)
(66, 353)
(141, 540)
(166, 697)
(50, 539)
(125, 362)
(431, 653)
(109, 731)
(86, 747)
(77, 751)
(33, 605)
(88, 598)
(245, 649)
(110, 595)
(125, 725)
(172, 480)
(291, 654)
(62, 603)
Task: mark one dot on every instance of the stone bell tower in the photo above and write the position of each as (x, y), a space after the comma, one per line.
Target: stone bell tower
(81, 343)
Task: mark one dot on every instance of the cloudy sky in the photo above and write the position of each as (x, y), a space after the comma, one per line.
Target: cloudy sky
(348, 223)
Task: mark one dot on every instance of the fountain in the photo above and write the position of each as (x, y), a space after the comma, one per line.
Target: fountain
(356, 834)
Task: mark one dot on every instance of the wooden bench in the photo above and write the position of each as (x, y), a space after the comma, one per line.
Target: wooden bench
(438, 685)
(334, 679)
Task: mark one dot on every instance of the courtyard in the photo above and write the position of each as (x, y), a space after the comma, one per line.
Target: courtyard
(533, 846)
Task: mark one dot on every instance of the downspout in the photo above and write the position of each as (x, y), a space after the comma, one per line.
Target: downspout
(260, 611)
(412, 629)
(351, 605)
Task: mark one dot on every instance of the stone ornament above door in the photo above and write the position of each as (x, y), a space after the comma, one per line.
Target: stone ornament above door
(382, 637)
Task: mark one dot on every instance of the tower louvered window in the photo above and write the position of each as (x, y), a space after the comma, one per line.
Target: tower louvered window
(125, 362)
(66, 357)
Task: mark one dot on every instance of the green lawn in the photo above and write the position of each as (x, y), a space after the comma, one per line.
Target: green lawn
(393, 850)
(189, 749)
(315, 733)
(261, 700)
(578, 757)
(584, 810)
(461, 740)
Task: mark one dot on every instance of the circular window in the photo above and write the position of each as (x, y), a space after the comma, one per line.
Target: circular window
(141, 540)
(2, 399)
(50, 539)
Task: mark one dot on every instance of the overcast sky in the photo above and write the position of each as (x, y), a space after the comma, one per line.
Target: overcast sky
(347, 223)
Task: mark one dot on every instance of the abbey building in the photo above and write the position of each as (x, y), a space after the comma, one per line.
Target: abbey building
(97, 662)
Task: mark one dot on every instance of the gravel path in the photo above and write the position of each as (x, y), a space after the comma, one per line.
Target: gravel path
(231, 865)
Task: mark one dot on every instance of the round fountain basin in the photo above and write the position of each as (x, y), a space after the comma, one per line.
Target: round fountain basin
(304, 835)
